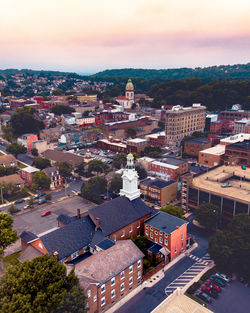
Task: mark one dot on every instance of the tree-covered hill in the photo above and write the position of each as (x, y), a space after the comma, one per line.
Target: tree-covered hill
(222, 72)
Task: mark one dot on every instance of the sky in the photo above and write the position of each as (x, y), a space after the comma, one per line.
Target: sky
(88, 36)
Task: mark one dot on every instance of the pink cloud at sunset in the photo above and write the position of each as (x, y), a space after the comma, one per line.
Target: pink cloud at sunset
(82, 35)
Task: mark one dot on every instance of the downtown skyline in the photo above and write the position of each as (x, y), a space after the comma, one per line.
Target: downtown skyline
(87, 37)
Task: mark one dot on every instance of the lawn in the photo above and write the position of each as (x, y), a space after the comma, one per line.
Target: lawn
(21, 165)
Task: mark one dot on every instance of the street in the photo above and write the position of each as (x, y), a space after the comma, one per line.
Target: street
(149, 298)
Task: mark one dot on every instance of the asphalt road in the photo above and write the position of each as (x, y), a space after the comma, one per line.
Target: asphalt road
(32, 221)
(149, 298)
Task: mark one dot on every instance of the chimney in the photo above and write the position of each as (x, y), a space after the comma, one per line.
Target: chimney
(177, 227)
(56, 254)
(78, 214)
(97, 223)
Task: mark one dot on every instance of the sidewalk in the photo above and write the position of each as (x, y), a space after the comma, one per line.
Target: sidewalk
(150, 282)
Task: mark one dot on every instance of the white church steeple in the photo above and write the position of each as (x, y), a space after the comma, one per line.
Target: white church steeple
(130, 180)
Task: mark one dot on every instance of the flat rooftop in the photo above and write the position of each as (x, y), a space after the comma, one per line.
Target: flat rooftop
(238, 178)
(199, 141)
(235, 138)
(216, 150)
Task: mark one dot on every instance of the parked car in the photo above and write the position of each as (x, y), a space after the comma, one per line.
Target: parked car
(204, 297)
(42, 201)
(212, 284)
(218, 281)
(19, 201)
(210, 291)
(223, 276)
(41, 195)
(46, 213)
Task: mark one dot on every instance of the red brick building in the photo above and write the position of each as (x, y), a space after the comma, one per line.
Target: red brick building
(157, 139)
(238, 153)
(27, 173)
(167, 231)
(26, 140)
(194, 146)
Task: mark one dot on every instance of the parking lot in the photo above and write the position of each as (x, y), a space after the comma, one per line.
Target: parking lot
(32, 221)
(235, 298)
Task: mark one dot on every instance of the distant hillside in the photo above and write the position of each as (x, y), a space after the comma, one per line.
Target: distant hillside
(222, 72)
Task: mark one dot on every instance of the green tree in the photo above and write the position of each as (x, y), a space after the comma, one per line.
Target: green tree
(80, 169)
(173, 210)
(41, 163)
(7, 133)
(41, 286)
(41, 180)
(141, 172)
(31, 202)
(94, 188)
(152, 151)
(34, 152)
(7, 234)
(62, 109)
(65, 169)
(8, 170)
(161, 125)
(142, 243)
(12, 209)
(15, 149)
(230, 248)
(97, 166)
(115, 184)
(131, 132)
(23, 122)
(207, 215)
(119, 160)
(48, 197)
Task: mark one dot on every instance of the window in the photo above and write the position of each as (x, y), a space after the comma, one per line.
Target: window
(146, 232)
(122, 274)
(181, 236)
(112, 293)
(151, 235)
(122, 286)
(112, 281)
(160, 232)
(146, 226)
(139, 275)
(103, 301)
(138, 225)
(139, 263)
(131, 269)
(130, 280)
(89, 293)
(156, 240)
(123, 233)
(74, 255)
(130, 229)
(114, 238)
(103, 288)
(175, 250)
(160, 240)
(151, 228)
(166, 242)
(156, 232)
(94, 298)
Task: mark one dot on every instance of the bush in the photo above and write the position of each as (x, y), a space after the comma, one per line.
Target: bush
(12, 209)
(48, 197)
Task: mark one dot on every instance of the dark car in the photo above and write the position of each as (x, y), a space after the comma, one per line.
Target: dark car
(46, 213)
(218, 281)
(210, 291)
(19, 201)
(42, 201)
(204, 297)
(41, 195)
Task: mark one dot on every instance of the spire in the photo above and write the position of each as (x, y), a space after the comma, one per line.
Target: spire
(130, 180)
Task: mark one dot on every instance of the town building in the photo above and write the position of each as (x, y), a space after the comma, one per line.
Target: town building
(56, 179)
(212, 156)
(183, 121)
(129, 98)
(222, 127)
(27, 174)
(234, 115)
(110, 274)
(167, 231)
(26, 140)
(158, 191)
(238, 153)
(8, 160)
(240, 125)
(234, 138)
(194, 146)
(14, 179)
(40, 145)
(136, 145)
(227, 187)
(157, 139)
(59, 156)
(52, 134)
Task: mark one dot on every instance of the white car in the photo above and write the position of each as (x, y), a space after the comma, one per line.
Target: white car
(223, 276)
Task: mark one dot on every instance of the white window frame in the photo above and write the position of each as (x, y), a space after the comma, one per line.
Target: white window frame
(94, 298)
(123, 233)
(89, 293)
(112, 293)
(182, 237)
(138, 263)
(139, 275)
(156, 240)
(139, 225)
(122, 287)
(74, 255)
(151, 235)
(131, 280)
(103, 288)
(166, 242)
(160, 240)
(131, 269)
(130, 229)
(146, 232)
(112, 282)
(156, 232)
(146, 226)
(103, 301)
(122, 275)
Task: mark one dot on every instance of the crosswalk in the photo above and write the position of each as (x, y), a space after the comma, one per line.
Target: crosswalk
(189, 274)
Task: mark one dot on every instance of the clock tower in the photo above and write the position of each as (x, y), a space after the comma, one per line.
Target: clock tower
(130, 180)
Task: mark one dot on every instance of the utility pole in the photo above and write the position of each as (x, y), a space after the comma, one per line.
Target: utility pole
(2, 194)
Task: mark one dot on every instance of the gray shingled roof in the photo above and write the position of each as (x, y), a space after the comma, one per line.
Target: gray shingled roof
(70, 238)
(157, 183)
(118, 213)
(50, 170)
(165, 222)
(65, 219)
(27, 236)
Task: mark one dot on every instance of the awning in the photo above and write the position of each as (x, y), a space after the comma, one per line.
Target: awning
(164, 251)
